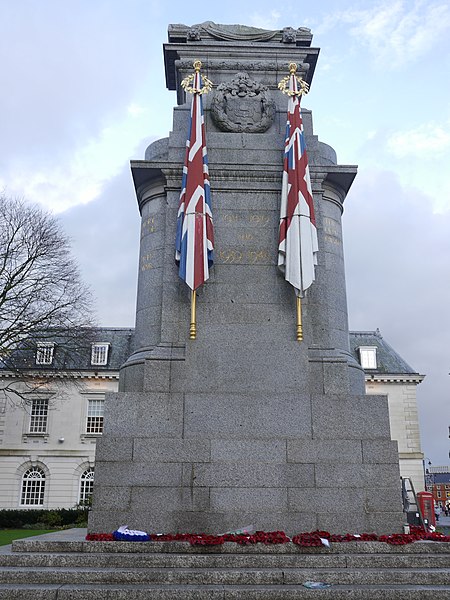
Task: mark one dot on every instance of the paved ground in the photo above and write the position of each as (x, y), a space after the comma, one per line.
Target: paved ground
(65, 535)
(443, 521)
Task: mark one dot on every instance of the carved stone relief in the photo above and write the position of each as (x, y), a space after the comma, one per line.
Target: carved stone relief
(242, 105)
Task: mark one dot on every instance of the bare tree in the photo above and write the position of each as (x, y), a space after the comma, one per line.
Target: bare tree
(42, 296)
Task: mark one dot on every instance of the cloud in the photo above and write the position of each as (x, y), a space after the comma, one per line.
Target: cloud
(396, 32)
(397, 254)
(105, 240)
(74, 90)
(424, 142)
(265, 21)
(80, 178)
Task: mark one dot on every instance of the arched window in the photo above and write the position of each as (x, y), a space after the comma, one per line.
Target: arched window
(86, 486)
(33, 487)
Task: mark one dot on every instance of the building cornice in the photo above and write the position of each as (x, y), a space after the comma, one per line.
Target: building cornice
(397, 378)
(113, 375)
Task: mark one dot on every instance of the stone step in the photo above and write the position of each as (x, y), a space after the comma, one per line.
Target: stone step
(220, 592)
(46, 569)
(250, 561)
(35, 545)
(202, 577)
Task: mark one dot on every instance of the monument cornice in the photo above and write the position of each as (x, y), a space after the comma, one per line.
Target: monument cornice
(147, 173)
(222, 58)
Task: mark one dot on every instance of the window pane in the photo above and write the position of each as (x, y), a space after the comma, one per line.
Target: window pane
(39, 415)
(44, 354)
(99, 354)
(95, 416)
(33, 487)
(368, 358)
(86, 486)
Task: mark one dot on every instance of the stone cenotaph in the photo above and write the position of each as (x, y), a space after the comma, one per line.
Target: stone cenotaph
(244, 424)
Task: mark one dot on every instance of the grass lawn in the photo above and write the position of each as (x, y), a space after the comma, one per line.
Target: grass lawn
(8, 535)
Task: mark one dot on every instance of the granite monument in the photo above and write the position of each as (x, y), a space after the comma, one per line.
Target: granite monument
(245, 424)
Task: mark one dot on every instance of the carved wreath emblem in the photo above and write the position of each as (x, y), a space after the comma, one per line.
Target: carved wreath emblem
(242, 105)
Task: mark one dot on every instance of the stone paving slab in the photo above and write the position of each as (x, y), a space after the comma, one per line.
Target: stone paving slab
(225, 576)
(155, 592)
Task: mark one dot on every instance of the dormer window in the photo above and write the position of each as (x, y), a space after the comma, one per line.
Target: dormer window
(368, 357)
(44, 353)
(99, 354)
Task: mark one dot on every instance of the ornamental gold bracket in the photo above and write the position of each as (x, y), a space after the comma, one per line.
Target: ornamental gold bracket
(187, 86)
(284, 83)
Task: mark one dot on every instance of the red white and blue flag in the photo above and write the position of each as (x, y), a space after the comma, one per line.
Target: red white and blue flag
(195, 237)
(297, 247)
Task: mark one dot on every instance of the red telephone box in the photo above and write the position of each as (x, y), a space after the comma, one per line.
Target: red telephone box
(425, 502)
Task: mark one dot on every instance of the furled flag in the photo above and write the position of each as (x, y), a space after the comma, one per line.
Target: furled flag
(195, 238)
(297, 248)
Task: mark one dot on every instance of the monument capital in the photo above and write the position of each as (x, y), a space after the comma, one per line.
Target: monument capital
(228, 49)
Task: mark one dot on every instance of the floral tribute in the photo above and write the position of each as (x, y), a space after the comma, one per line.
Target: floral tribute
(307, 539)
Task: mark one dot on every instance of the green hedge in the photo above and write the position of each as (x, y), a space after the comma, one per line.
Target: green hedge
(62, 517)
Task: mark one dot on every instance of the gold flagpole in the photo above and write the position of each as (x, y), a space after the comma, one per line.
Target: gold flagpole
(193, 326)
(299, 320)
(189, 85)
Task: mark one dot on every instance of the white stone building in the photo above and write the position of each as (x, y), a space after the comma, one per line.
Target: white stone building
(47, 449)
(388, 374)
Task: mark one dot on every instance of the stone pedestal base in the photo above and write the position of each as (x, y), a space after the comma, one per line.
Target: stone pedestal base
(205, 462)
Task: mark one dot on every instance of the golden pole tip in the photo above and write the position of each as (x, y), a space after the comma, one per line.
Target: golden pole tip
(292, 67)
(197, 65)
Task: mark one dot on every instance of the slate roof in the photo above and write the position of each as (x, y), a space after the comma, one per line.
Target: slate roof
(388, 361)
(441, 478)
(74, 354)
(66, 357)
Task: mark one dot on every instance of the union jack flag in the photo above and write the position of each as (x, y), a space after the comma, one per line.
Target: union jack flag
(297, 247)
(194, 242)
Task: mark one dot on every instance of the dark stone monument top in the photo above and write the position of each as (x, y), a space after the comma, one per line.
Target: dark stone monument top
(236, 48)
(242, 33)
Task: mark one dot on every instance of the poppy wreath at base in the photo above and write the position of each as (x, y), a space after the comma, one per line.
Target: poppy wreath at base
(306, 539)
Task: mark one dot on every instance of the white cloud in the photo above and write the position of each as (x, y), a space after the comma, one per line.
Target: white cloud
(81, 178)
(425, 141)
(395, 32)
(135, 110)
(265, 21)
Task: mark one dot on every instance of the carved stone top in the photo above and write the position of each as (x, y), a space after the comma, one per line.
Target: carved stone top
(243, 33)
(242, 105)
(253, 49)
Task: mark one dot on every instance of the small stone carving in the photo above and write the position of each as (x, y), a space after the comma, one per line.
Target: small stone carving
(242, 105)
(231, 65)
(237, 32)
(289, 35)
(193, 34)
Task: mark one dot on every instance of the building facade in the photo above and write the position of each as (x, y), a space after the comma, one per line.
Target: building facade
(438, 483)
(386, 372)
(48, 433)
(48, 439)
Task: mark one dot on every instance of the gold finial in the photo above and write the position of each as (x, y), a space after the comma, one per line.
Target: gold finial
(187, 86)
(303, 87)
